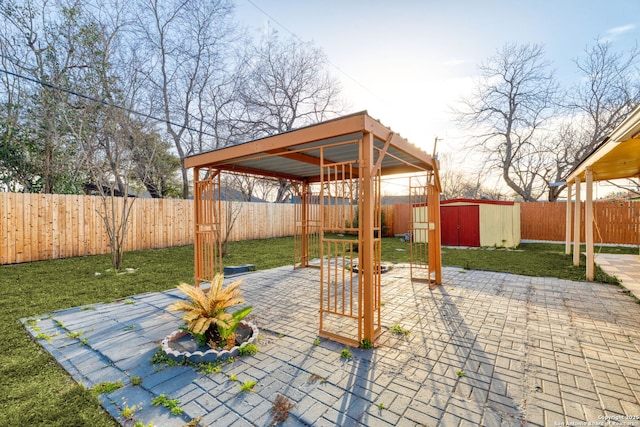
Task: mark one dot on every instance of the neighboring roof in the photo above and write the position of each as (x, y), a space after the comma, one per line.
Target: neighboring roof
(296, 154)
(617, 157)
(389, 199)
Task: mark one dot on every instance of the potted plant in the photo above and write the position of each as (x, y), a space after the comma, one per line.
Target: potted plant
(206, 314)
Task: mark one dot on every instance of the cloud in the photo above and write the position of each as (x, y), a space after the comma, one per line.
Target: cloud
(615, 32)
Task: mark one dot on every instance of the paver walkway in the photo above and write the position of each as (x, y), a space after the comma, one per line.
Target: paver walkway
(489, 349)
(625, 267)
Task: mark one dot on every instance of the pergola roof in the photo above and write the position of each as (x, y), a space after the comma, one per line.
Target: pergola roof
(296, 154)
(618, 156)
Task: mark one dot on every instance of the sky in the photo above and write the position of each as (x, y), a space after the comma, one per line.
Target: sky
(408, 62)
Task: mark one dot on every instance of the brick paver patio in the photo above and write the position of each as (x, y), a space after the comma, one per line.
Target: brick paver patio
(489, 349)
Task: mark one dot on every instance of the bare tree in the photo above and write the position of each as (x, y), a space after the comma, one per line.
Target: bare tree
(105, 134)
(263, 189)
(608, 90)
(513, 99)
(115, 211)
(288, 86)
(183, 40)
(101, 133)
(466, 184)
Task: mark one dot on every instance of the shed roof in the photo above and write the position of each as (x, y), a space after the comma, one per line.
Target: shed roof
(618, 156)
(296, 154)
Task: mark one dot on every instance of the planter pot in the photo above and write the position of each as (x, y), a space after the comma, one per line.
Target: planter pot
(180, 345)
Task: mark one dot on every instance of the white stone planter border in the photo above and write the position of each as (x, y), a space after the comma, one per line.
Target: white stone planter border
(208, 356)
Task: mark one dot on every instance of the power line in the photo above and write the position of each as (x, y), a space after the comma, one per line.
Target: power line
(104, 102)
(347, 75)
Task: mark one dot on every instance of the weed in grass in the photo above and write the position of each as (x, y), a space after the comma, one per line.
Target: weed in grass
(345, 354)
(247, 386)
(461, 373)
(136, 380)
(76, 334)
(247, 350)
(281, 407)
(106, 387)
(365, 343)
(399, 330)
(316, 342)
(171, 404)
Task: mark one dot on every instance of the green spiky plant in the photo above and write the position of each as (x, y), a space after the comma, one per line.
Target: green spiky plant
(206, 313)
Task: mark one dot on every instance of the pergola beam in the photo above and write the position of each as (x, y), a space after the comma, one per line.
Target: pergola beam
(341, 126)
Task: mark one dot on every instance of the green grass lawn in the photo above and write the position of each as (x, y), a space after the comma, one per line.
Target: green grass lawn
(35, 391)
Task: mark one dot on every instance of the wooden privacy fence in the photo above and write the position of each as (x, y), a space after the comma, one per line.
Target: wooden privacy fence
(36, 227)
(616, 222)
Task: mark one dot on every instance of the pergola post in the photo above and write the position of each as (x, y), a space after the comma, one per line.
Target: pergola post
(567, 246)
(367, 208)
(207, 218)
(197, 263)
(576, 225)
(588, 225)
(304, 218)
(435, 254)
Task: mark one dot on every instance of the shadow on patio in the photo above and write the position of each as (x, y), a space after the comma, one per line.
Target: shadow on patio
(484, 349)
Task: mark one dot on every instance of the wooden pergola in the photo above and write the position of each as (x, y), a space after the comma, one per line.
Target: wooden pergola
(335, 168)
(617, 157)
